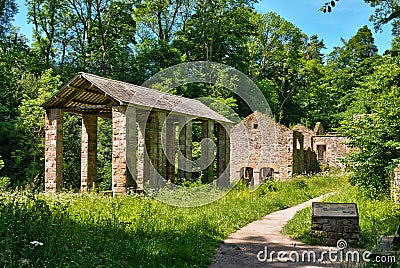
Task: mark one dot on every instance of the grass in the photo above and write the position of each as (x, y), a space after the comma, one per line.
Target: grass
(73, 230)
(377, 217)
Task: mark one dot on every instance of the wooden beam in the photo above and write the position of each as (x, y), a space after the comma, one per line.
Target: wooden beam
(71, 96)
(94, 91)
(87, 102)
(90, 107)
(77, 91)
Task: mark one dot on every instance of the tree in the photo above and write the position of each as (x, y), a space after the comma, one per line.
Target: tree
(160, 19)
(153, 56)
(375, 137)
(29, 126)
(91, 35)
(218, 31)
(347, 66)
(46, 18)
(277, 54)
(8, 9)
(385, 11)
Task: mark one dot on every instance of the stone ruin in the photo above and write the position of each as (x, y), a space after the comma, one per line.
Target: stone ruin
(145, 124)
(152, 139)
(263, 149)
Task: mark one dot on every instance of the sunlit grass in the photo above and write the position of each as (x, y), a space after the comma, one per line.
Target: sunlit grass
(74, 230)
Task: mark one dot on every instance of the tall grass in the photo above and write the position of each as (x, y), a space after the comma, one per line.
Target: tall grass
(73, 230)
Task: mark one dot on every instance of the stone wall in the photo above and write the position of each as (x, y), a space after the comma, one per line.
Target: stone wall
(327, 231)
(307, 134)
(259, 142)
(336, 149)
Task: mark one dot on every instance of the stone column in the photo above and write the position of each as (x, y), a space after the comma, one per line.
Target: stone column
(223, 156)
(89, 153)
(140, 155)
(156, 137)
(118, 150)
(396, 186)
(131, 146)
(53, 150)
(170, 150)
(185, 145)
(161, 138)
(207, 132)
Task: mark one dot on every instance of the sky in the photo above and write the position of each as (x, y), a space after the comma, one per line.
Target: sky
(343, 22)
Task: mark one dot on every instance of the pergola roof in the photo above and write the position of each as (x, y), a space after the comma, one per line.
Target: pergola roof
(88, 93)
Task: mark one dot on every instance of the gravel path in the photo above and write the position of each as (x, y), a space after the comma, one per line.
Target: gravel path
(241, 248)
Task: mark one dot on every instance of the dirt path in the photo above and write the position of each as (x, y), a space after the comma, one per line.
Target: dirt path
(241, 248)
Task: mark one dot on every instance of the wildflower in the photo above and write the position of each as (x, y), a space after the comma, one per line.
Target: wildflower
(36, 243)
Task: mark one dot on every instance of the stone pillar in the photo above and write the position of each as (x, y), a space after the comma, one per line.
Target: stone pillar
(207, 132)
(223, 156)
(155, 141)
(140, 155)
(118, 150)
(185, 146)
(170, 150)
(131, 146)
(53, 150)
(396, 186)
(161, 138)
(89, 153)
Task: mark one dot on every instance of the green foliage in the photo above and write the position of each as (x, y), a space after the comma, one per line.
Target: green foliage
(377, 217)
(8, 9)
(133, 231)
(331, 92)
(375, 136)
(72, 136)
(29, 125)
(104, 155)
(5, 182)
(276, 58)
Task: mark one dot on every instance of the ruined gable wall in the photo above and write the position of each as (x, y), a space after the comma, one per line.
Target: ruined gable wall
(259, 142)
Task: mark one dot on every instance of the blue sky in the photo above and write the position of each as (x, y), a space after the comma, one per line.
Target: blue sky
(347, 17)
(344, 21)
